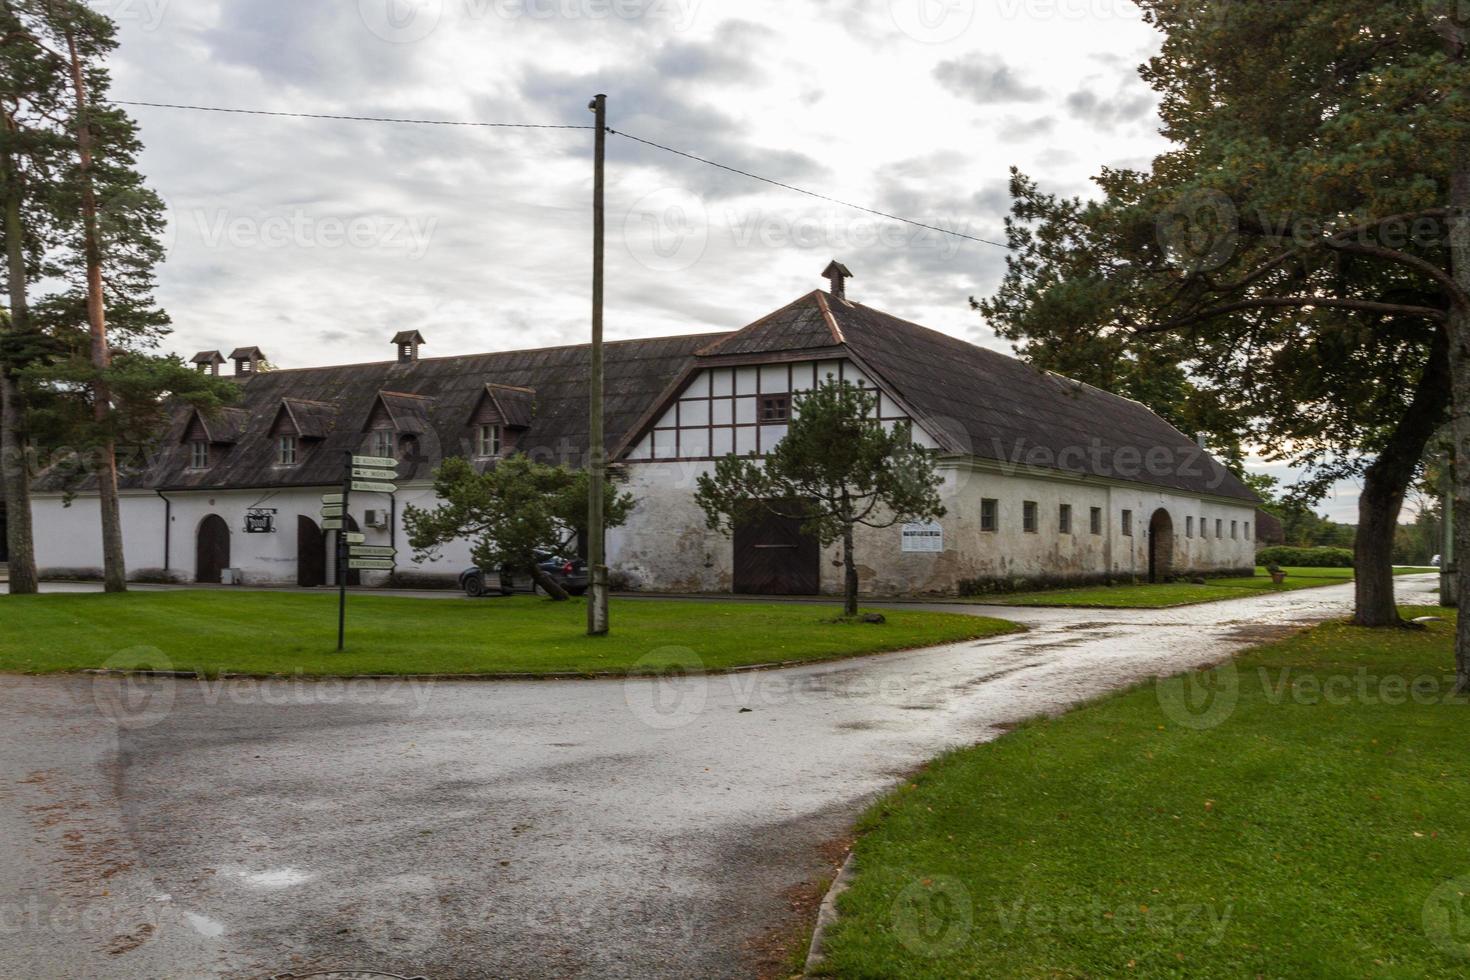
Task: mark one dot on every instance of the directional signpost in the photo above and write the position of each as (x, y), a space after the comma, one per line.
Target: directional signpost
(363, 474)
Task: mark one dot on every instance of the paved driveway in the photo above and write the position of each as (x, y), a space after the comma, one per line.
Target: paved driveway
(548, 829)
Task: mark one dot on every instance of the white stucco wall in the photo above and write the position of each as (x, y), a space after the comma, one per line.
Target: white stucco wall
(68, 538)
(666, 547)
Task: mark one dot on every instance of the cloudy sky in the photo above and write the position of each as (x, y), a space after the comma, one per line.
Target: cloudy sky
(317, 240)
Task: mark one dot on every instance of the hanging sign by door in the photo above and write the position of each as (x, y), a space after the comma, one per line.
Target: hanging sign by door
(260, 520)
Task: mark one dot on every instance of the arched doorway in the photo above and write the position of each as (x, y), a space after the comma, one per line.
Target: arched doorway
(311, 554)
(212, 551)
(1160, 546)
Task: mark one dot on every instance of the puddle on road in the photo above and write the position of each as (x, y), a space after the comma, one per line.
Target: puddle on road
(204, 925)
(275, 878)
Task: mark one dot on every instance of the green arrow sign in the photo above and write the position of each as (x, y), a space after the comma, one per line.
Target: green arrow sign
(331, 498)
(332, 524)
(373, 551)
(368, 487)
(380, 462)
(359, 473)
(354, 537)
(332, 510)
(375, 564)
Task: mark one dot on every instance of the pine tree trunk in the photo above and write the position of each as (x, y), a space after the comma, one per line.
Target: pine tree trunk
(548, 584)
(849, 575)
(14, 466)
(114, 571)
(1385, 484)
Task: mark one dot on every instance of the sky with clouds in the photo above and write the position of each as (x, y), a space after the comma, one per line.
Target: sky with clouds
(318, 240)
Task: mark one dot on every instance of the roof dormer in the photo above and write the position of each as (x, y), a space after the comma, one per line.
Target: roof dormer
(248, 361)
(408, 343)
(208, 362)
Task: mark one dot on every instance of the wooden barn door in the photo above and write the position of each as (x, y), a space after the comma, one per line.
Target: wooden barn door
(212, 551)
(311, 554)
(773, 557)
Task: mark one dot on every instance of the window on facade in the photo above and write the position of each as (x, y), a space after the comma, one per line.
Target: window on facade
(286, 451)
(1204, 528)
(487, 441)
(1064, 519)
(1028, 516)
(1234, 529)
(198, 455)
(775, 408)
(1095, 520)
(1219, 528)
(1189, 527)
(1247, 530)
(1128, 522)
(987, 514)
(383, 443)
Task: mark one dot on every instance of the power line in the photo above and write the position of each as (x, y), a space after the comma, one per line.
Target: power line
(629, 136)
(802, 190)
(323, 115)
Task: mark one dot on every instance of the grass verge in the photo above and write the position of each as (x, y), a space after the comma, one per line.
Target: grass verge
(1302, 811)
(289, 633)
(1168, 594)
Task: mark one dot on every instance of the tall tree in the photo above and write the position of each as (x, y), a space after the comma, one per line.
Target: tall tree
(106, 225)
(1298, 240)
(837, 469)
(512, 511)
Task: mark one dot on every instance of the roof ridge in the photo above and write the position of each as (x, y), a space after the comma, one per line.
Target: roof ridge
(831, 320)
(717, 334)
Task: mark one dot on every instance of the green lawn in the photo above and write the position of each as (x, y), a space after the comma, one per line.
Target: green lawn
(1182, 593)
(1308, 817)
(288, 633)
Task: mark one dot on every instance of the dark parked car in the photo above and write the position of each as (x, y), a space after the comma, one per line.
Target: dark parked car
(569, 573)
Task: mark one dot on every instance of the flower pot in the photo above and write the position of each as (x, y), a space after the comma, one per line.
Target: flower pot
(1278, 577)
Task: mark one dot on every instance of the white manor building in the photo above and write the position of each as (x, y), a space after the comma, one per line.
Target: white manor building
(1045, 479)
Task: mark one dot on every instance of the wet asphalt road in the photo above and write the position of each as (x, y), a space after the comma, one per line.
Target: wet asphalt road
(538, 829)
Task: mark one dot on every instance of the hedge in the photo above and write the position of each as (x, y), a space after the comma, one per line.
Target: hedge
(1305, 557)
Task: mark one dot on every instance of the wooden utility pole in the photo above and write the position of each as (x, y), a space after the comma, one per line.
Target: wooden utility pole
(596, 444)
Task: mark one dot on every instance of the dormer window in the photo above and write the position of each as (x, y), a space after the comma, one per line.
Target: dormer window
(199, 455)
(286, 451)
(383, 443)
(487, 441)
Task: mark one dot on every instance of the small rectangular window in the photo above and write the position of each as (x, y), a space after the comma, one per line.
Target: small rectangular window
(1234, 529)
(1028, 517)
(487, 441)
(1064, 519)
(286, 451)
(1204, 528)
(383, 443)
(1189, 527)
(775, 408)
(1128, 523)
(987, 514)
(198, 455)
(1247, 530)
(1219, 528)
(1095, 520)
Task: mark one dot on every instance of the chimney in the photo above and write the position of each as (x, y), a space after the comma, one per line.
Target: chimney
(837, 275)
(208, 361)
(407, 342)
(247, 361)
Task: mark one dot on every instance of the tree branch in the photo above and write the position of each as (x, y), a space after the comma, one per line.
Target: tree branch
(1297, 302)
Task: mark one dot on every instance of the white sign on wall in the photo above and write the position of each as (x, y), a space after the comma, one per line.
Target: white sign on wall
(923, 537)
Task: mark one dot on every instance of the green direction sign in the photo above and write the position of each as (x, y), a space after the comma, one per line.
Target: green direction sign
(332, 510)
(359, 473)
(331, 498)
(373, 551)
(374, 564)
(332, 524)
(373, 487)
(355, 537)
(376, 462)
